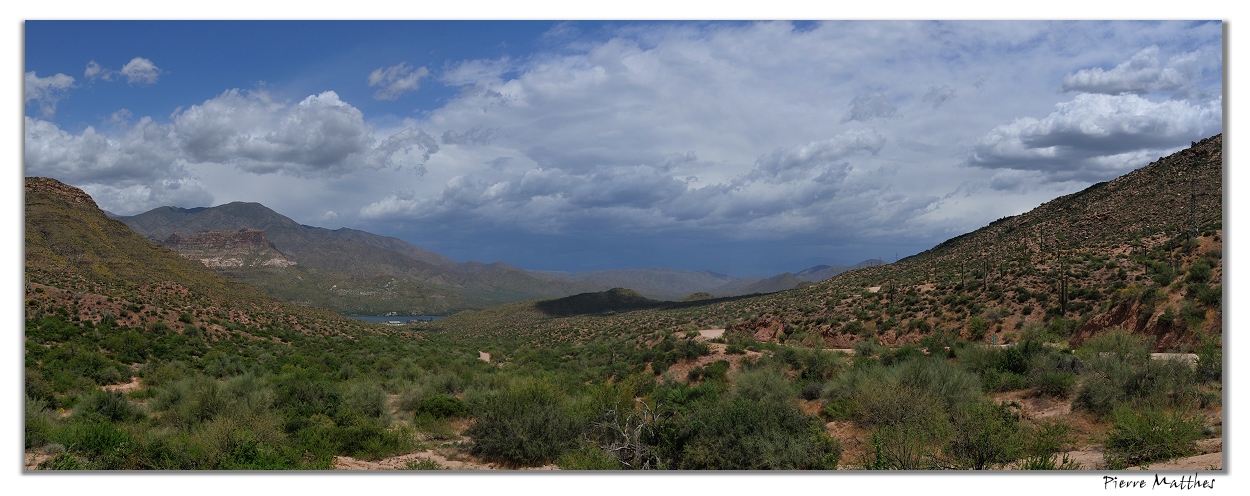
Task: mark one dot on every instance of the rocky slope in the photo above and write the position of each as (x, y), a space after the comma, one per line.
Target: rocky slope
(91, 268)
(229, 249)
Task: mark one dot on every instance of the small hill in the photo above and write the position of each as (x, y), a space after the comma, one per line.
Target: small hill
(610, 301)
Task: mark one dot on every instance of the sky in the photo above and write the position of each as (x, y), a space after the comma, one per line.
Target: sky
(745, 148)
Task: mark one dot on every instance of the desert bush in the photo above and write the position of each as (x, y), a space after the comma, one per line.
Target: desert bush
(715, 371)
(1046, 441)
(1210, 361)
(1142, 436)
(977, 328)
(38, 423)
(105, 445)
(901, 354)
(1131, 377)
(986, 435)
(743, 434)
(442, 406)
(1053, 383)
(937, 376)
(363, 398)
(764, 384)
(812, 391)
(432, 427)
(424, 464)
(106, 406)
(524, 425)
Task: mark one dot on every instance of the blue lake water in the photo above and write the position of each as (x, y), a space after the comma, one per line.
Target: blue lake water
(401, 318)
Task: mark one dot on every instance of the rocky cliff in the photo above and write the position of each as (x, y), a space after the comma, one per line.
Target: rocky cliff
(229, 249)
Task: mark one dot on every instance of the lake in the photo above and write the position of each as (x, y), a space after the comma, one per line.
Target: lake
(382, 319)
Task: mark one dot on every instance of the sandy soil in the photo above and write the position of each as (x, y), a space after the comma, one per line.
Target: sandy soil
(483, 356)
(125, 388)
(707, 334)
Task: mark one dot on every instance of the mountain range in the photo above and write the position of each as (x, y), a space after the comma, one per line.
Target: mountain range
(352, 271)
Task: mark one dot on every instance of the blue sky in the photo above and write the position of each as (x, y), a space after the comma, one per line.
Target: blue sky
(748, 148)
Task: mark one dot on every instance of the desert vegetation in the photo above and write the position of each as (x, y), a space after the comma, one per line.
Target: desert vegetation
(1025, 345)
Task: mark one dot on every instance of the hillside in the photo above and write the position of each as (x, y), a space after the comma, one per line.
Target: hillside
(92, 268)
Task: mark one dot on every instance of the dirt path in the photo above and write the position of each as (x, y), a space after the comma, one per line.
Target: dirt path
(401, 462)
(708, 334)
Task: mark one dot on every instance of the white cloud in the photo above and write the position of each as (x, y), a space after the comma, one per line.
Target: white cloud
(321, 135)
(396, 80)
(1140, 74)
(140, 70)
(94, 70)
(47, 91)
(1095, 137)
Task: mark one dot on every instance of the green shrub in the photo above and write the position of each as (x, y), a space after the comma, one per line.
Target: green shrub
(977, 328)
(1210, 361)
(743, 434)
(108, 406)
(587, 458)
(764, 384)
(842, 408)
(1199, 273)
(441, 406)
(524, 425)
(1142, 436)
(953, 385)
(1054, 383)
(423, 464)
(1046, 441)
(985, 435)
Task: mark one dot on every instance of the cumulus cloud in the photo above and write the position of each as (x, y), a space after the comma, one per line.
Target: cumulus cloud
(1095, 136)
(47, 91)
(1141, 73)
(140, 70)
(145, 162)
(321, 135)
(396, 80)
(137, 170)
(871, 106)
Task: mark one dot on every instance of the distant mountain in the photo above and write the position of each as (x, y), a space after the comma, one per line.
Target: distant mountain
(661, 284)
(352, 271)
(787, 281)
(822, 272)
